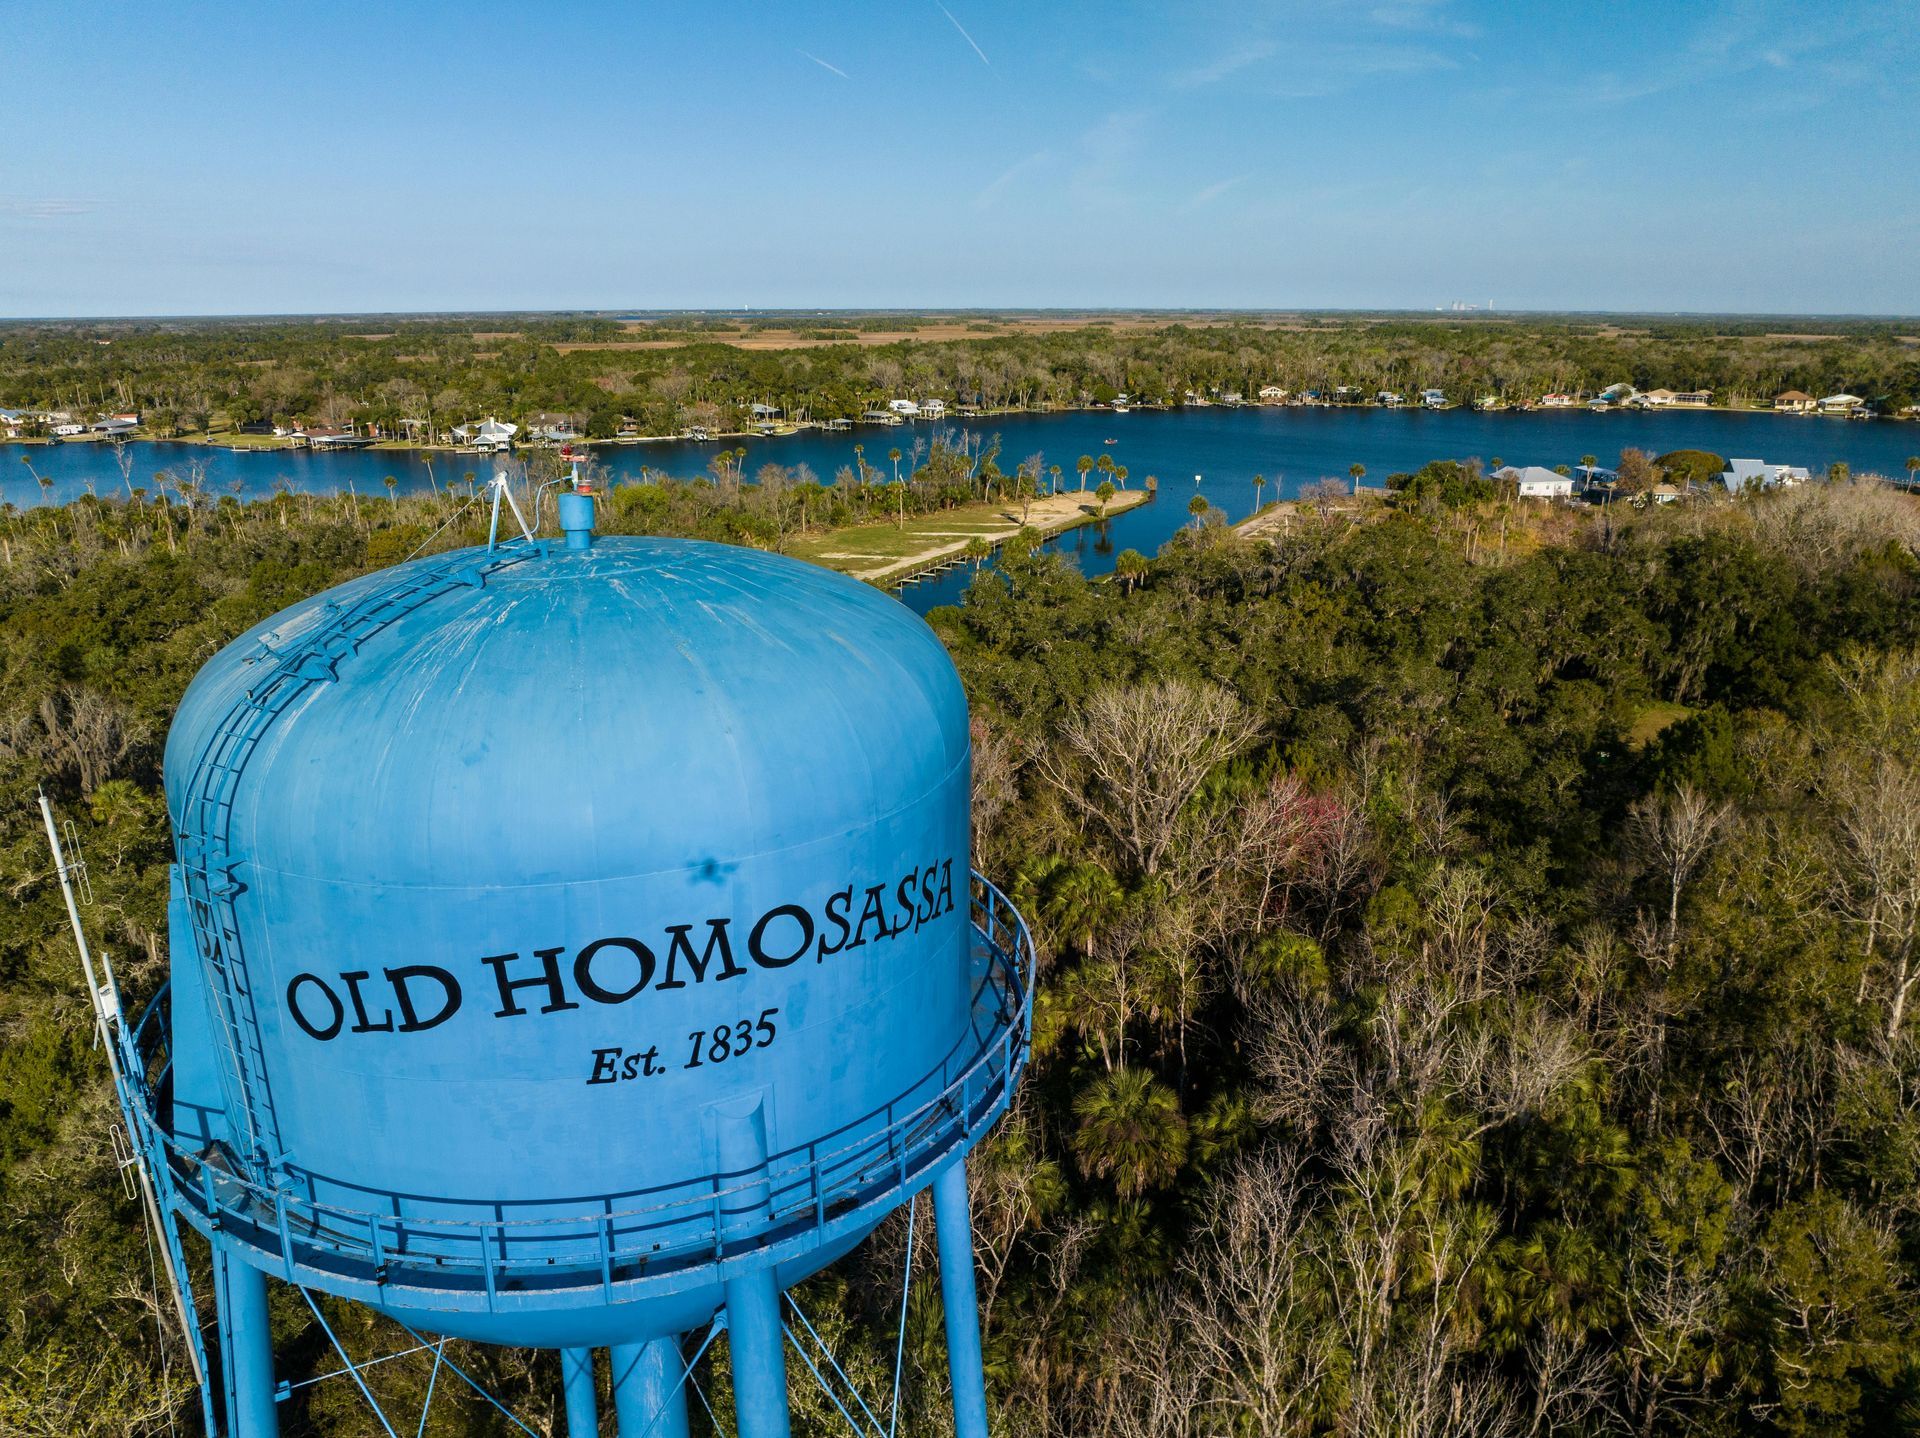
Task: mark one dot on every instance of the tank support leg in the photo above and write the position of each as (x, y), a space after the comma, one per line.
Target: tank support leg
(648, 1396)
(953, 1220)
(576, 1377)
(246, 1347)
(758, 1343)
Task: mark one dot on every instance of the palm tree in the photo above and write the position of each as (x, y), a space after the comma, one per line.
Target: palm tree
(894, 455)
(1120, 475)
(393, 486)
(1198, 507)
(1259, 483)
(1359, 472)
(1105, 495)
(1082, 901)
(1131, 1130)
(860, 462)
(1053, 472)
(1131, 566)
(1084, 464)
(977, 550)
(1913, 469)
(899, 493)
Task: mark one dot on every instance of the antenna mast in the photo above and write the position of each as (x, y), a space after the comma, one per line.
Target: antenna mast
(105, 1001)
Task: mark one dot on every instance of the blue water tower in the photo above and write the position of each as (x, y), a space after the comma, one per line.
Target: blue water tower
(574, 945)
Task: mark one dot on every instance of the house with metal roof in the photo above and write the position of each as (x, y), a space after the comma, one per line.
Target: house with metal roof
(1742, 475)
(1533, 481)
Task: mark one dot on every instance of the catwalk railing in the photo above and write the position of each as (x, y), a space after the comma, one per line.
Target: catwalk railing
(510, 1255)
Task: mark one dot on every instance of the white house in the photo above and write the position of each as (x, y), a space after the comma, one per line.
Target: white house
(1389, 399)
(1741, 475)
(1558, 400)
(489, 434)
(1533, 481)
(1434, 398)
(905, 408)
(937, 408)
(1842, 404)
(1794, 401)
(1272, 392)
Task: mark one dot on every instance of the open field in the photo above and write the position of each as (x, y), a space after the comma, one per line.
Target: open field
(880, 552)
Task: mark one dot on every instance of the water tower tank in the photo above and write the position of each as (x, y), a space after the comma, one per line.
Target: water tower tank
(567, 936)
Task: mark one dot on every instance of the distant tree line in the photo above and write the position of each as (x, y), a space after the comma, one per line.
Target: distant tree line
(433, 374)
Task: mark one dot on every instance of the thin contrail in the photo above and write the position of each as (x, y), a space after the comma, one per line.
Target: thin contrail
(825, 66)
(965, 36)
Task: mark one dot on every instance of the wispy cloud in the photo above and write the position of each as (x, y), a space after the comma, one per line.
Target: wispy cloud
(1213, 192)
(1314, 71)
(991, 192)
(1427, 16)
(1106, 158)
(824, 65)
(965, 36)
(26, 207)
(1252, 52)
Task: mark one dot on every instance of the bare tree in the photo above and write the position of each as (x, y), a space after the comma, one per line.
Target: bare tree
(1673, 833)
(1133, 756)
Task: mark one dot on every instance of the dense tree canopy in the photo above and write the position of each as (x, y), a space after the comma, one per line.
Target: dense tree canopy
(1479, 967)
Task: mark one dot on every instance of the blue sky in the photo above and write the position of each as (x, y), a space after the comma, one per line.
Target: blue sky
(259, 157)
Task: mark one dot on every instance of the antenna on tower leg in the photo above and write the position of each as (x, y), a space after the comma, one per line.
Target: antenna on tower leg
(104, 999)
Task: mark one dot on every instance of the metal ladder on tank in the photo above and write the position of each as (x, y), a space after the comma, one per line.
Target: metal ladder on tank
(206, 860)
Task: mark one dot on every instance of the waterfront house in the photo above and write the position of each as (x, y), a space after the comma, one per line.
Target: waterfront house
(1621, 393)
(1596, 477)
(937, 408)
(68, 430)
(1694, 398)
(1653, 399)
(115, 424)
(1842, 404)
(1434, 398)
(1233, 396)
(1533, 481)
(905, 408)
(1794, 401)
(764, 411)
(1389, 399)
(489, 434)
(13, 421)
(1558, 400)
(1741, 475)
(1272, 393)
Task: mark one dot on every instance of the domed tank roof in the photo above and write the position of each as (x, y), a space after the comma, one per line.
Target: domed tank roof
(609, 711)
(518, 878)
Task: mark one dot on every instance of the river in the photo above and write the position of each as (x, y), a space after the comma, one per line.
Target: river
(1224, 448)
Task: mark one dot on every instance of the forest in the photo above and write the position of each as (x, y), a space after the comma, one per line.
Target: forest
(1479, 952)
(659, 375)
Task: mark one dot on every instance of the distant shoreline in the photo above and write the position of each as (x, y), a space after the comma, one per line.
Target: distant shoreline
(235, 443)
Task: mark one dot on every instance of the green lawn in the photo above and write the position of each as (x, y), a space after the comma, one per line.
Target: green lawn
(1650, 721)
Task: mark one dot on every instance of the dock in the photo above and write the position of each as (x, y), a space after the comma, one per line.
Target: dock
(890, 555)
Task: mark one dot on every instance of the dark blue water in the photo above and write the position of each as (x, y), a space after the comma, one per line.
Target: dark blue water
(1225, 447)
